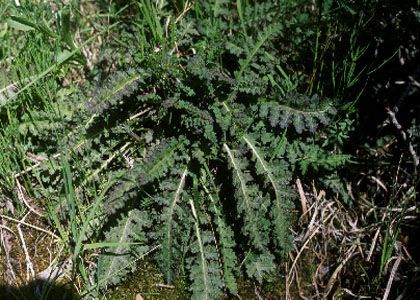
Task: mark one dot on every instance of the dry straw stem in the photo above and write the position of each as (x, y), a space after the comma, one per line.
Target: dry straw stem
(30, 225)
(165, 286)
(303, 200)
(336, 272)
(314, 232)
(7, 228)
(335, 233)
(289, 280)
(139, 114)
(30, 273)
(21, 197)
(391, 277)
(354, 295)
(34, 166)
(375, 238)
(403, 134)
(4, 239)
(329, 225)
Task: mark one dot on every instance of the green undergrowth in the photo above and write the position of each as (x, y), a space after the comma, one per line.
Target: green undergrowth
(174, 131)
(179, 141)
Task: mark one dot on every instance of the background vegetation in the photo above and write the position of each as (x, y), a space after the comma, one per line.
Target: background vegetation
(209, 149)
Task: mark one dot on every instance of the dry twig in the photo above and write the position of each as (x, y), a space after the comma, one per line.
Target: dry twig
(391, 277)
(30, 225)
(403, 134)
(22, 198)
(5, 241)
(30, 273)
(303, 200)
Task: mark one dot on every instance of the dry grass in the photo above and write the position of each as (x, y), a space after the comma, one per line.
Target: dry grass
(29, 249)
(336, 244)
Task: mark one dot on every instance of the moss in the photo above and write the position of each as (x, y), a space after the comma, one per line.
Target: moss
(149, 283)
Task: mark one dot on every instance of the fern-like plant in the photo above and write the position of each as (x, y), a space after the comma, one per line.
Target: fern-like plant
(198, 140)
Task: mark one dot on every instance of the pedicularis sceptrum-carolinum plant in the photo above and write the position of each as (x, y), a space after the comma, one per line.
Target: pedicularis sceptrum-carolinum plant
(217, 129)
(188, 139)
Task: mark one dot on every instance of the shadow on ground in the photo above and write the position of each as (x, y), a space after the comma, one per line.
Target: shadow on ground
(39, 290)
